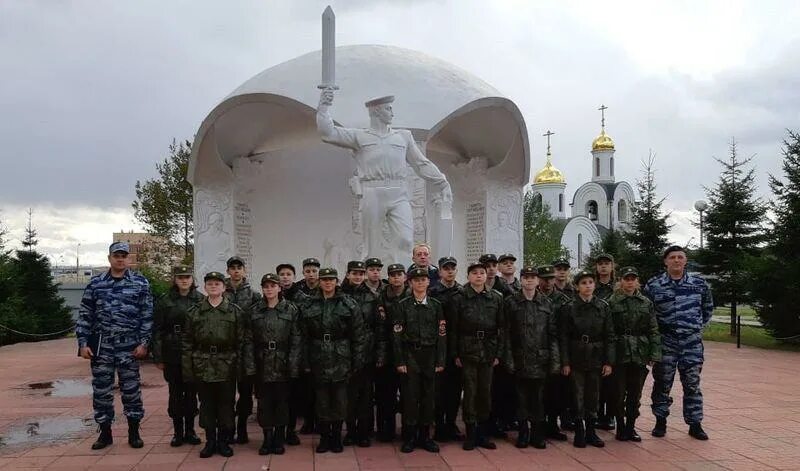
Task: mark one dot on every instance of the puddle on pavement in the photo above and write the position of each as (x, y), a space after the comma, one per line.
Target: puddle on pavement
(46, 430)
(64, 387)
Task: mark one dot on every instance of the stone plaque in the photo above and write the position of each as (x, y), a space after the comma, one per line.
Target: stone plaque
(243, 225)
(476, 230)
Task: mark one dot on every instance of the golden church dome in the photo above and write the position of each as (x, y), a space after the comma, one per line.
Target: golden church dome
(549, 174)
(603, 142)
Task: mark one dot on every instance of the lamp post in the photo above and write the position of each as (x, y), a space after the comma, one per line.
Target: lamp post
(701, 206)
(77, 261)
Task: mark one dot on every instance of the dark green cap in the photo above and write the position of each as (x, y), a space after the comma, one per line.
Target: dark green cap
(328, 273)
(418, 273)
(488, 258)
(356, 265)
(182, 270)
(546, 271)
(475, 265)
(311, 261)
(281, 266)
(214, 275)
(373, 262)
(447, 261)
(629, 271)
(604, 256)
(235, 260)
(270, 278)
(529, 271)
(581, 275)
(395, 267)
(560, 262)
(506, 256)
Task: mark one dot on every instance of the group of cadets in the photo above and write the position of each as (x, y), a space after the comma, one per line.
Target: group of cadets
(523, 353)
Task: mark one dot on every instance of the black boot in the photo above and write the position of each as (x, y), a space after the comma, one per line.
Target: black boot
(661, 427)
(537, 439)
(105, 437)
(495, 428)
(580, 435)
(408, 439)
(211, 444)
(224, 443)
(630, 430)
(483, 437)
(350, 436)
(424, 439)
(568, 421)
(591, 434)
(134, 439)
(441, 432)
(291, 436)
(279, 439)
(364, 429)
(622, 431)
(472, 437)
(324, 445)
(189, 435)
(308, 426)
(553, 432)
(241, 431)
(336, 437)
(177, 434)
(524, 435)
(696, 431)
(266, 445)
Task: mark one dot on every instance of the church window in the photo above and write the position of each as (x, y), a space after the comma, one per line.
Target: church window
(537, 201)
(561, 202)
(622, 211)
(580, 249)
(612, 166)
(591, 210)
(596, 167)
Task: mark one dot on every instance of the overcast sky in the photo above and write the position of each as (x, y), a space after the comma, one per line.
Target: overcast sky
(92, 93)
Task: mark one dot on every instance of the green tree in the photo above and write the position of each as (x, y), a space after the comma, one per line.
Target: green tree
(647, 234)
(164, 204)
(35, 287)
(734, 231)
(777, 277)
(30, 241)
(541, 233)
(612, 243)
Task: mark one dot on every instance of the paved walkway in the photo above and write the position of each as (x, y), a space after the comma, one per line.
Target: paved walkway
(752, 416)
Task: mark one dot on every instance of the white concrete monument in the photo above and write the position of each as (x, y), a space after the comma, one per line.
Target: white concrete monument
(268, 189)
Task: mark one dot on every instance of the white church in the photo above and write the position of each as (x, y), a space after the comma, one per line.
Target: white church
(597, 206)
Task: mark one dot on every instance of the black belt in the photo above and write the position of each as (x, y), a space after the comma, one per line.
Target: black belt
(329, 338)
(213, 349)
(583, 338)
(481, 334)
(271, 345)
(417, 345)
(177, 328)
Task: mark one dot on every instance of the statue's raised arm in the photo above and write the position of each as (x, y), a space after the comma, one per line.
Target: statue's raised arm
(331, 133)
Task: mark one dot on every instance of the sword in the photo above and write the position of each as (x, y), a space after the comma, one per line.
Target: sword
(328, 50)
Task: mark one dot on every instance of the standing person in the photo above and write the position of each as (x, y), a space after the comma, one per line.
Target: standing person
(532, 353)
(387, 382)
(299, 395)
(587, 352)
(562, 281)
(277, 344)
(310, 281)
(374, 281)
(421, 258)
(419, 341)
(115, 323)
(360, 412)
(289, 289)
(493, 280)
(217, 350)
(638, 346)
(478, 343)
(169, 317)
(333, 330)
(556, 387)
(683, 306)
(505, 264)
(239, 292)
(604, 288)
(448, 384)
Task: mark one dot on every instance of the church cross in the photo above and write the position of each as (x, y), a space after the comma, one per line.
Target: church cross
(547, 135)
(603, 109)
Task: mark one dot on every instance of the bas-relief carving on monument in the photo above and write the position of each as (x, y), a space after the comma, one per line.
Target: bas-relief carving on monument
(248, 175)
(417, 198)
(505, 217)
(212, 241)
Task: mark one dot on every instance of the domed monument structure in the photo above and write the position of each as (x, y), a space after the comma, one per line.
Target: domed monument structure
(268, 189)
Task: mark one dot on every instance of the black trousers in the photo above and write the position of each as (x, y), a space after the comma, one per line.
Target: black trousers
(477, 391)
(585, 389)
(273, 404)
(244, 404)
(448, 394)
(628, 383)
(182, 396)
(331, 401)
(301, 400)
(530, 395)
(216, 405)
(605, 405)
(360, 410)
(418, 386)
(557, 396)
(504, 398)
(387, 384)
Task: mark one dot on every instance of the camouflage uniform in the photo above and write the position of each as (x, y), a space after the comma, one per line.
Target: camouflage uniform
(683, 307)
(387, 383)
(449, 383)
(504, 398)
(557, 390)
(121, 310)
(605, 406)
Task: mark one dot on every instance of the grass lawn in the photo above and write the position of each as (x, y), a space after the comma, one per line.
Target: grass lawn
(745, 311)
(751, 336)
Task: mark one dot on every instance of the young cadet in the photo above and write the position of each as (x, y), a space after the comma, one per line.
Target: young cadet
(374, 281)
(310, 281)
(169, 317)
(478, 343)
(419, 341)
(277, 347)
(604, 288)
(238, 291)
(638, 346)
(505, 264)
(360, 416)
(448, 384)
(299, 394)
(532, 353)
(387, 382)
(333, 331)
(217, 350)
(308, 286)
(563, 283)
(587, 352)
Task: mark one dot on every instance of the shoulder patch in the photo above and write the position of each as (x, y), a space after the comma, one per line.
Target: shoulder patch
(398, 328)
(442, 328)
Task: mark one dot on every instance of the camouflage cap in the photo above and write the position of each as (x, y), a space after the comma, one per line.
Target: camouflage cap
(379, 101)
(529, 271)
(235, 260)
(311, 261)
(328, 273)
(417, 273)
(214, 275)
(447, 261)
(488, 258)
(506, 256)
(119, 247)
(474, 265)
(182, 270)
(604, 256)
(356, 265)
(395, 267)
(560, 262)
(581, 275)
(270, 278)
(282, 266)
(373, 262)
(629, 271)
(546, 271)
